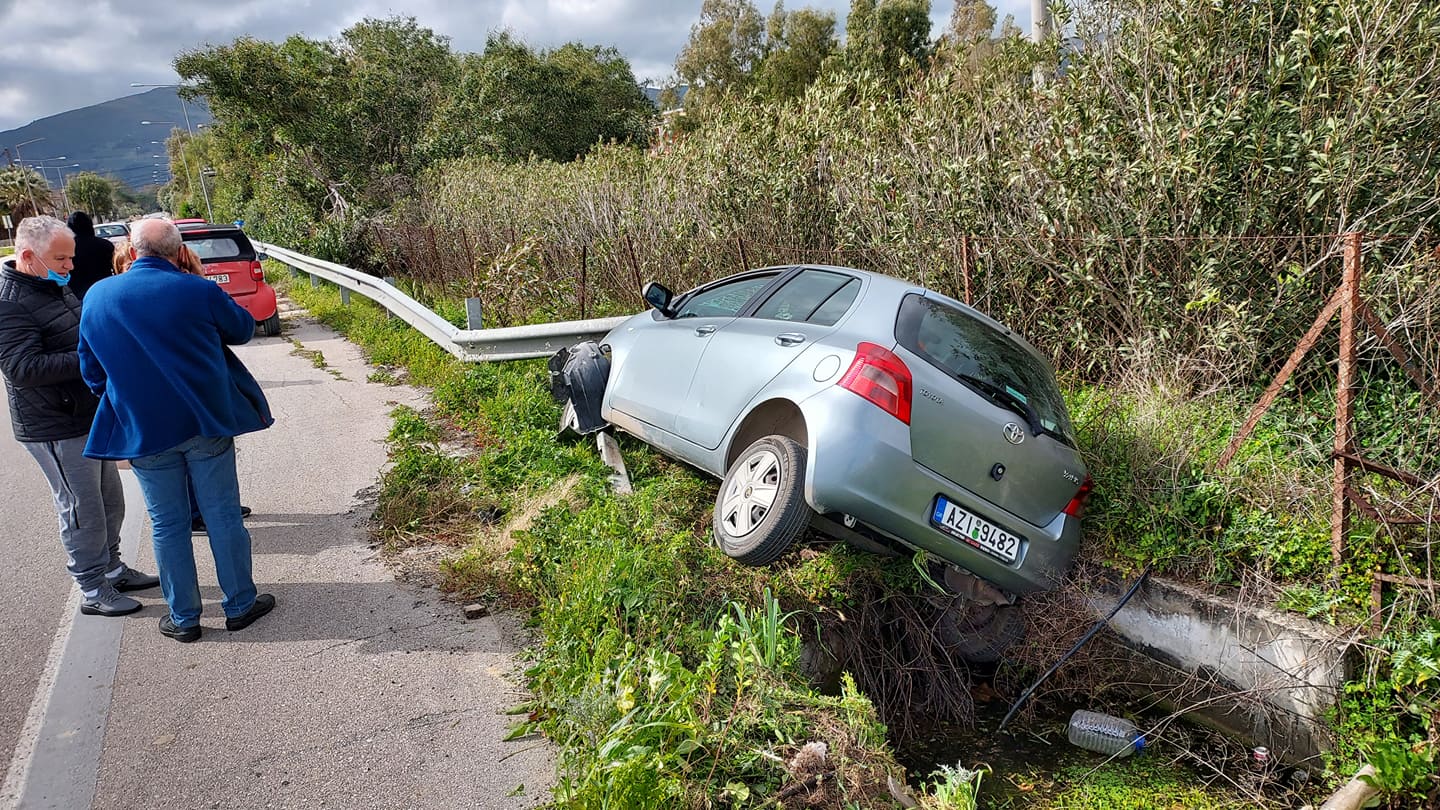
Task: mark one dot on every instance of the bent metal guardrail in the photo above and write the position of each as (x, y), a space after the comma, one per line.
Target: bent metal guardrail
(470, 345)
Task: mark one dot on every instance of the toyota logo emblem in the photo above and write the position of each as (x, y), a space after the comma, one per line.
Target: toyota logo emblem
(1014, 434)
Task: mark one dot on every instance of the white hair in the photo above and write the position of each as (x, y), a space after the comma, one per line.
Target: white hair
(156, 237)
(36, 233)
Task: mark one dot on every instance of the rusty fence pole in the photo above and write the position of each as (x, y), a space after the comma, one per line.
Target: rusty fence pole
(1345, 399)
(965, 267)
(634, 266)
(584, 260)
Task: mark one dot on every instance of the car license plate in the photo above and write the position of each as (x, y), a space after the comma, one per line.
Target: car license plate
(220, 278)
(959, 522)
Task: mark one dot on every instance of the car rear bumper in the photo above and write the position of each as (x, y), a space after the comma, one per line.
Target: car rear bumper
(261, 303)
(860, 464)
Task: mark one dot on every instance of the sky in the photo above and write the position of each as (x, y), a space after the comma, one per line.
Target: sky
(65, 54)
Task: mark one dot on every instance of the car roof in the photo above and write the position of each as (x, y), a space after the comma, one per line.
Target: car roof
(199, 226)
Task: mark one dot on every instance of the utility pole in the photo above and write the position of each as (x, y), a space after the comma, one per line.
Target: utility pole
(1039, 20)
(1039, 32)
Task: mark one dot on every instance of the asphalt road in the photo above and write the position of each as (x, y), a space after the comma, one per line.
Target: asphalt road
(357, 691)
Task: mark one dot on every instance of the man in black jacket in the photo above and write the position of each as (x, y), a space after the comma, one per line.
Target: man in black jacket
(51, 410)
(93, 255)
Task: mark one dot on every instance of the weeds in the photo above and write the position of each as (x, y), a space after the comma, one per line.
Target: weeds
(667, 675)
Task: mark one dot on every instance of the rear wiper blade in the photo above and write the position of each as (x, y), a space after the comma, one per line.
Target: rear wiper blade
(1004, 396)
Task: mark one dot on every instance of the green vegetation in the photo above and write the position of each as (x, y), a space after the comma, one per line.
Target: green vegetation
(88, 191)
(1154, 201)
(668, 675)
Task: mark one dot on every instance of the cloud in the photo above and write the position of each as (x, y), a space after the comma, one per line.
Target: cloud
(64, 54)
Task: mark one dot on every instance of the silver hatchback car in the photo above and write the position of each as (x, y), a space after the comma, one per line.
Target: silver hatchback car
(872, 408)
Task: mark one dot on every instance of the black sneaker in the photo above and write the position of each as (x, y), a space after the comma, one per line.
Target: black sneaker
(264, 603)
(184, 635)
(197, 524)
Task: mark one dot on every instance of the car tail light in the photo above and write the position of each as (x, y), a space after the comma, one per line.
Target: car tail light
(1076, 507)
(879, 376)
(257, 272)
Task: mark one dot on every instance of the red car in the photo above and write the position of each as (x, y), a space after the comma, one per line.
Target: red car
(233, 263)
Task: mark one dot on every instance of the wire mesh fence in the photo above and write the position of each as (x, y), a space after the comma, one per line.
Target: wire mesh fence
(1169, 342)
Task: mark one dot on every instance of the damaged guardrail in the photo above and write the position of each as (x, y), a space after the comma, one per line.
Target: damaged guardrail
(470, 345)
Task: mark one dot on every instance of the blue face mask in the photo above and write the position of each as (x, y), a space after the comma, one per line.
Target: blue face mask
(52, 275)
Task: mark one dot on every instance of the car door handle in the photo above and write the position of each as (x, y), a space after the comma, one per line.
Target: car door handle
(789, 338)
(704, 331)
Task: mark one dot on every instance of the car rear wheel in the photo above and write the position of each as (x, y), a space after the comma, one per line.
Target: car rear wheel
(270, 327)
(761, 511)
(981, 634)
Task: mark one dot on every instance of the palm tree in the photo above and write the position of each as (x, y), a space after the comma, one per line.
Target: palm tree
(24, 192)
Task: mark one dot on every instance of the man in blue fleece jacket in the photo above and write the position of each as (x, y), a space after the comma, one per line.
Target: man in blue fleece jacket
(154, 347)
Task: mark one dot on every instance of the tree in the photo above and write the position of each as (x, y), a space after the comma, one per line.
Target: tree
(724, 48)
(969, 36)
(862, 46)
(971, 21)
(798, 43)
(890, 38)
(92, 193)
(903, 31)
(513, 102)
(346, 113)
(24, 192)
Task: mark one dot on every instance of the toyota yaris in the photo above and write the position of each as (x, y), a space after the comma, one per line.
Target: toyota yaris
(864, 406)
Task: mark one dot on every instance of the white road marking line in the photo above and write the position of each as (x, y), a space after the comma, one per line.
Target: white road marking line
(57, 767)
(21, 760)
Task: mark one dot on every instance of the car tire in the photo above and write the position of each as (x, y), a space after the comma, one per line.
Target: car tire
(981, 634)
(760, 510)
(270, 327)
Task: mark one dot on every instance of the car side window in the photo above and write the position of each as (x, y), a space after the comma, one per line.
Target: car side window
(814, 296)
(725, 299)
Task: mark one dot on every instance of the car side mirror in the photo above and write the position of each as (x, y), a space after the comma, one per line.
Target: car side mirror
(261, 255)
(659, 296)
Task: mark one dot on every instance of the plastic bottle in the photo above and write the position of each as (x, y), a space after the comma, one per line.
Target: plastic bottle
(1102, 733)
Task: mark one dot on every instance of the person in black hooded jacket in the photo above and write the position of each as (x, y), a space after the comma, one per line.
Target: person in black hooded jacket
(93, 255)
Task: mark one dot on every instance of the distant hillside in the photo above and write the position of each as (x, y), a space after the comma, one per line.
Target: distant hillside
(107, 138)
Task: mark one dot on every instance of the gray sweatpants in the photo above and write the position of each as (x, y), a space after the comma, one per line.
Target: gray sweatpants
(90, 501)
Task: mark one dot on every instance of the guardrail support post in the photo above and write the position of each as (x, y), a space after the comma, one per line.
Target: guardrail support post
(473, 319)
(314, 280)
(345, 296)
(390, 316)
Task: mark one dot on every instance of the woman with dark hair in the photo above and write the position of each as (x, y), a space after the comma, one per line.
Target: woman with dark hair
(93, 255)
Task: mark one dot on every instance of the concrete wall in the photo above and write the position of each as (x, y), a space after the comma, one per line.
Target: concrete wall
(1265, 676)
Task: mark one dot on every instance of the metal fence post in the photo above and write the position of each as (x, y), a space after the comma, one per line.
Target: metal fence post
(391, 281)
(1345, 400)
(473, 318)
(584, 261)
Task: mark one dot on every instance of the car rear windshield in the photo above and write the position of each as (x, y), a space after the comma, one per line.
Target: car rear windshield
(110, 230)
(963, 345)
(221, 248)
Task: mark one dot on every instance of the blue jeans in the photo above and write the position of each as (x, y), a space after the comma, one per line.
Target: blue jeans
(164, 479)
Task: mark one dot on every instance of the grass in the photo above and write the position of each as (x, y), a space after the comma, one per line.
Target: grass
(667, 675)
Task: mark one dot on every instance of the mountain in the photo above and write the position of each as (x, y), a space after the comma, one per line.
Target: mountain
(105, 138)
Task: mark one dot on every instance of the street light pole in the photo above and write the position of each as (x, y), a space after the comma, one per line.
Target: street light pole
(28, 191)
(185, 112)
(188, 173)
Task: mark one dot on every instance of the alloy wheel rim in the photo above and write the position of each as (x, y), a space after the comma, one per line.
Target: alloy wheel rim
(751, 493)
